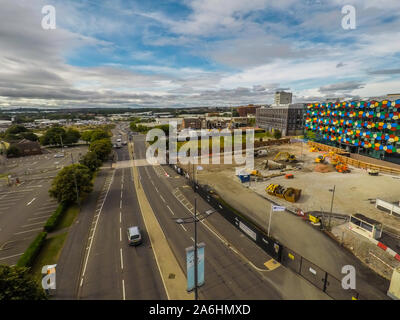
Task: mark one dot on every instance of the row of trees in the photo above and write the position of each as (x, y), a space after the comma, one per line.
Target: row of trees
(57, 135)
(76, 180)
(18, 132)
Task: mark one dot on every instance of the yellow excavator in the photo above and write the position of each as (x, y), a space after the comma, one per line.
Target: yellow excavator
(320, 159)
(285, 156)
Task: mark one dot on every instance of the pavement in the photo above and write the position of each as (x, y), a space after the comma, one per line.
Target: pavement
(97, 262)
(229, 274)
(25, 207)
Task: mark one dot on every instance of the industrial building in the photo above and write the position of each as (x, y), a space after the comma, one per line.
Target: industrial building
(370, 128)
(244, 111)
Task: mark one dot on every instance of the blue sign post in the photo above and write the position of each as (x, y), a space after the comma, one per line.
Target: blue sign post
(191, 269)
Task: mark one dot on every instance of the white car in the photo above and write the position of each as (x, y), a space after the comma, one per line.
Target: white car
(59, 155)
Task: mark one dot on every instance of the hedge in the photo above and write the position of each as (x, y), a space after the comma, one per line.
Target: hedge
(55, 218)
(33, 250)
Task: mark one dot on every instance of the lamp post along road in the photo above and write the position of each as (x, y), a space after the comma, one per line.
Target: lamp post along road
(333, 196)
(195, 219)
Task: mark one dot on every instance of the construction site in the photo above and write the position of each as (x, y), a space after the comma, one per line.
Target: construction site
(318, 189)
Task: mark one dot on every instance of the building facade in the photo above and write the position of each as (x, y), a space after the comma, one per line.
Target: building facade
(244, 111)
(370, 128)
(193, 123)
(282, 97)
(288, 119)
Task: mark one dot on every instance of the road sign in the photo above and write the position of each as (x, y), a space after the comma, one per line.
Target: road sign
(278, 208)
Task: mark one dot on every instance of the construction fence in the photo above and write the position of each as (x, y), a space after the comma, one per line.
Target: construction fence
(353, 162)
(287, 257)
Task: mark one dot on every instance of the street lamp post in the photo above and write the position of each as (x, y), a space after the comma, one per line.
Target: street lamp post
(195, 219)
(333, 196)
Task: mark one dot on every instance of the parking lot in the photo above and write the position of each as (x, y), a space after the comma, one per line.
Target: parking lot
(26, 206)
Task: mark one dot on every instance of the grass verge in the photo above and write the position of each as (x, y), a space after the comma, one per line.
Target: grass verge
(49, 254)
(68, 217)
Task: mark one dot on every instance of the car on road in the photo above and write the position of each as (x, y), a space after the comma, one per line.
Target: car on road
(134, 236)
(59, 155)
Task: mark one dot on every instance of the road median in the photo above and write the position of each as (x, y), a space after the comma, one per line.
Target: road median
(173, 278)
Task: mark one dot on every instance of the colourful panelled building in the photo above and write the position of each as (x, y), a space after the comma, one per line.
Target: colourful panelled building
(370, 128)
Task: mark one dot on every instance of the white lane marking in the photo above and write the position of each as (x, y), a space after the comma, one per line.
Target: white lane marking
(122, 260)
(192, 239)
(32, 224)
(170, 210)
(156, 188)
(30, 201)
(15, 255)
(120, 234)
(120, 216)
(123, 290)
(91, 238)
(120, 204)
(37, 229)
(162, 198)
(30, 219)
(183, 227)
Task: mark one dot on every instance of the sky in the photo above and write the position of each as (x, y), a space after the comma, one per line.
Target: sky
(193, 53)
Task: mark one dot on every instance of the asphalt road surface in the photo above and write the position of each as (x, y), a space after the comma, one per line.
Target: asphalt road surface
(227, 276)
(115, 270)
(25, 208)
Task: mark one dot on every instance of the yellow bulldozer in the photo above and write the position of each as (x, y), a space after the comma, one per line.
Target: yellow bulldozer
(285, 156)
(289, 194)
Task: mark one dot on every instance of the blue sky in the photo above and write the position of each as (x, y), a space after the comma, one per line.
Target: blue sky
(195, 52)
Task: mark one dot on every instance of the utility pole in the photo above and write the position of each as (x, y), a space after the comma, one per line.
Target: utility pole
(333, 196)
(62, 147)
(76, 185)
(270, 218)
(196, 296)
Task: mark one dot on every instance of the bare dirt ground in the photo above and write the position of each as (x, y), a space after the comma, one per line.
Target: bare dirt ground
(354, 191)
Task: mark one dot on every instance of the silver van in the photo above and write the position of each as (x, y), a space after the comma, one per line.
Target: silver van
(134, 236)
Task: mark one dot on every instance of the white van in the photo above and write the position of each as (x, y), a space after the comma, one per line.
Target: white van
(134, 236)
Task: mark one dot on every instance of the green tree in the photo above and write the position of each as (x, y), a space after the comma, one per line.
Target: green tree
(91, 161)
(71, 136)
(53, 136)
(99, 135)
(277, 134)
(87, 135)
(13, 151)
(63, 186)
(16, 129)
(16, 283)
(101, 148)
(29, 135)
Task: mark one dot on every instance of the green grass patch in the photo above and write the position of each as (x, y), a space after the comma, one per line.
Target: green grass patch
(48, 255)
(68, 217)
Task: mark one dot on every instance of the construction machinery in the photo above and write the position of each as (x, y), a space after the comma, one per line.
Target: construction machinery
(373, 172)
(285, 156)
(314, 149)
(342, 168)
(289, 194)
(320, 159)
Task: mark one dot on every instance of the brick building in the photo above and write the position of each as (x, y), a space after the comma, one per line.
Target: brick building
(244, 111)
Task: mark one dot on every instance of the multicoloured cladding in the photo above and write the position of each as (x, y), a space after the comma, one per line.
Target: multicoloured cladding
(371, 125)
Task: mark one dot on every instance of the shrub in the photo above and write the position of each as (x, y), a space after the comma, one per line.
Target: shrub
(55, 218)
(33, 250)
